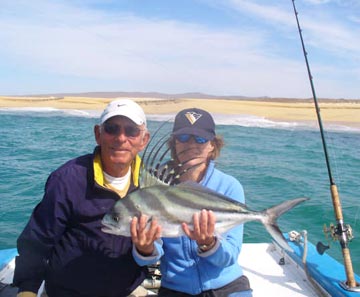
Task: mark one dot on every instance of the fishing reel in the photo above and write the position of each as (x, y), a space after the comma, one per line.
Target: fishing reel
(335, 233)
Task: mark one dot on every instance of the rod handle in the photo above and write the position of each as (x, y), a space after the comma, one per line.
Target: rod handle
(343, 238)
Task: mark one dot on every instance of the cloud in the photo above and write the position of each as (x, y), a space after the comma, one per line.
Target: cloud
(325, 31)
(317, 2)
(127, 48)
(76, 47)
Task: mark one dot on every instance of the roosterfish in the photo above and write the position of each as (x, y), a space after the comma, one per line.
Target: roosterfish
(173, 204)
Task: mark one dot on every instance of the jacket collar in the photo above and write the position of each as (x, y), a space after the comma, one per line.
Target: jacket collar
(98, 170)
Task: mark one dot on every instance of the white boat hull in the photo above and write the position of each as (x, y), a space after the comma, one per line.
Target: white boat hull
(271, 271)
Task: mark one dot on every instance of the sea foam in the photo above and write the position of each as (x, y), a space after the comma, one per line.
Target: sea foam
(243, 120)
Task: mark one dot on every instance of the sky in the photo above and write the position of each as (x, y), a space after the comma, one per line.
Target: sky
(220, 47)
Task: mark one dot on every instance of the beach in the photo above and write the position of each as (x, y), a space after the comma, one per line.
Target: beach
(345, 112)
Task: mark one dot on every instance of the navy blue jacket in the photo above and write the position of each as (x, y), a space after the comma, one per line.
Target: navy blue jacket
(63, 243)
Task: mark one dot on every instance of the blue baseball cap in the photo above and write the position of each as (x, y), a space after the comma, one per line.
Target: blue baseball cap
(196, 122)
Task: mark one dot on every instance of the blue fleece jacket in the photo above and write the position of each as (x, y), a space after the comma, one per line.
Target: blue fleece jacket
(183, 268)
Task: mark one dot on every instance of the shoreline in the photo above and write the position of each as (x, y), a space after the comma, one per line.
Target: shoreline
(336, 112)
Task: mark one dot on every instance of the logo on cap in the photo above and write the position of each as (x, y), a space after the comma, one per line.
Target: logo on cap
(192, 116)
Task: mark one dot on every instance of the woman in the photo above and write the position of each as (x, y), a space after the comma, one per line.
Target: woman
(202, 263)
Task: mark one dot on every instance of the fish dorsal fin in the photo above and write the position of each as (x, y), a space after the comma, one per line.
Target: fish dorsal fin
(148, 179)
(158, 166)
(155, 157)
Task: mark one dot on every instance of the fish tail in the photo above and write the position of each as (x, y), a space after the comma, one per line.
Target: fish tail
(273, 213)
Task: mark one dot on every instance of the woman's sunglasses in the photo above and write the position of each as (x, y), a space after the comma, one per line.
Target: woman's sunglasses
(186, 137)
(114, 129)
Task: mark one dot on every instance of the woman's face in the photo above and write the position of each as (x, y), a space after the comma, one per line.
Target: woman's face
(191, 153)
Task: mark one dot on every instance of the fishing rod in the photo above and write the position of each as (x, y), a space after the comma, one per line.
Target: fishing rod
(342, 232)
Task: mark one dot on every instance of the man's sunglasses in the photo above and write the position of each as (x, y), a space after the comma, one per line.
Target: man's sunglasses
(186, 137)
(114, 129)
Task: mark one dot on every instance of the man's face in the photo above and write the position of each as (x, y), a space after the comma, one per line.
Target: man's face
(120, 140)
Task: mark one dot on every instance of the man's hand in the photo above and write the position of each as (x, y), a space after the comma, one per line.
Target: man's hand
(143, 236)
(204, 228)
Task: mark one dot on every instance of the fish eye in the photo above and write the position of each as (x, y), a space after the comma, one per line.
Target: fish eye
(116, 219)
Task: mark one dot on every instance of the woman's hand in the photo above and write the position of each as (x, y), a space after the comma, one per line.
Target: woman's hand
(143, 235)
(204, 228)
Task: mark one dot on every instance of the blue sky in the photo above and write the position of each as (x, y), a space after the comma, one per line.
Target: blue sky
(219, 47)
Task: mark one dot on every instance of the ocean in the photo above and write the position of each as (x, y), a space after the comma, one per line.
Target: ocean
(274, 161)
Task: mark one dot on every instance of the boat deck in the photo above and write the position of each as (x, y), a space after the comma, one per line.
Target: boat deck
(271, 272)
(261, 264)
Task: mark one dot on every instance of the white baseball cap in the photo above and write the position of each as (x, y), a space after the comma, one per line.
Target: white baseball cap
(126, 108)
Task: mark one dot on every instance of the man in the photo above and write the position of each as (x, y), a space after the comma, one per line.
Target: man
(63, 243)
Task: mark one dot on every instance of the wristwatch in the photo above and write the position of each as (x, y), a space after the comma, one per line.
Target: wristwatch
(206, 247)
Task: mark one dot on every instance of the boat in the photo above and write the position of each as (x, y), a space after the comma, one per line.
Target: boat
(303, 272)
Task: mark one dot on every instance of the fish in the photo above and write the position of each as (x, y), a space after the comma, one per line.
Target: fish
(173, 204)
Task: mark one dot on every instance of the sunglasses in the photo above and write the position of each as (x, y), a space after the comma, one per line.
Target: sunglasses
(114, 129)
(186, 137)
